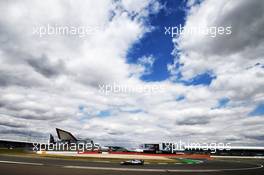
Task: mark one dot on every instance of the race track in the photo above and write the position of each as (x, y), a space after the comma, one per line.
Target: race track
(12, 165)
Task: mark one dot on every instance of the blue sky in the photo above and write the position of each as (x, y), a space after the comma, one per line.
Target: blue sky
(158, 44)
(259, 110)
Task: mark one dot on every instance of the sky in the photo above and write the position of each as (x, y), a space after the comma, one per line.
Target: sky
(210, 87)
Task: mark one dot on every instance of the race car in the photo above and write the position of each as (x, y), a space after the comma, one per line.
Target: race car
(132, 162)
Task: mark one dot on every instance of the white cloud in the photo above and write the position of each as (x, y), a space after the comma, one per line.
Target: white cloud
(47, 78)
(236, 60)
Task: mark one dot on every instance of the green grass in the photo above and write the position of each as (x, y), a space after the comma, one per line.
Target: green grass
(13, 151)
(189, 161)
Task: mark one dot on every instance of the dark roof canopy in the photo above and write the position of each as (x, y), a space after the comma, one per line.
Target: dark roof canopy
(65, 135)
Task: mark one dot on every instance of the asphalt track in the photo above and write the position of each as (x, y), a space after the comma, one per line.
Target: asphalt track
(17, 165)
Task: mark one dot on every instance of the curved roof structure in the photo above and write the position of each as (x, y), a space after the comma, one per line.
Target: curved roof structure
(65, 136)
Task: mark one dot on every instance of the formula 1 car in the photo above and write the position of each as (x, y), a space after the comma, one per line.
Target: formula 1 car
(132, 162)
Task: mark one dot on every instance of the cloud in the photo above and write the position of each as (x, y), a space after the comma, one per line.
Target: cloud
(144, 66)
(47, 78)
(234, 59)
(242, 48)
(193, 121)
(44, 66)
(146, 60)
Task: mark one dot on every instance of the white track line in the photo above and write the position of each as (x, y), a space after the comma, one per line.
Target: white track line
(114, 169)
(101, 161)
(161, 170)
(20, 163)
